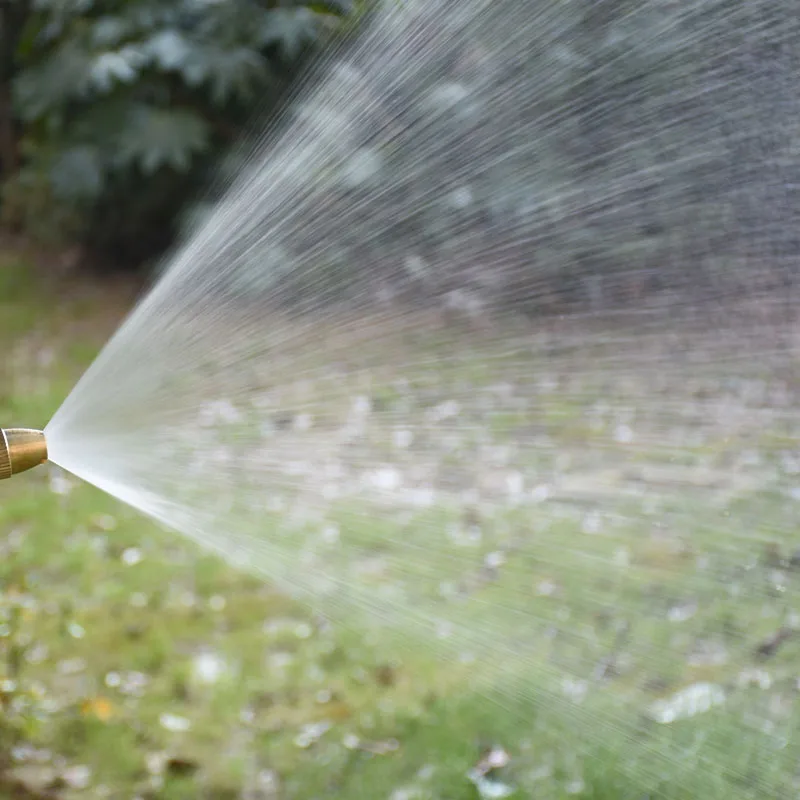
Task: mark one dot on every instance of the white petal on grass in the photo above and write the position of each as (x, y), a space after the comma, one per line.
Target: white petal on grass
(490, 789)
(174, 723)
(76, 631)
(695, 699)
(77, 777)
(209, 668)
(216, 602)
(310, 734)
(132, 556)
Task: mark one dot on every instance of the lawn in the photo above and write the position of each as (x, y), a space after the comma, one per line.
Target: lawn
(134, 665)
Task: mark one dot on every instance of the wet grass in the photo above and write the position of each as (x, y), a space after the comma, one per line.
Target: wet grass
(133, 665)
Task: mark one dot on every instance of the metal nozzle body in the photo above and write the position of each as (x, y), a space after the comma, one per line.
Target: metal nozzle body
(21, 449)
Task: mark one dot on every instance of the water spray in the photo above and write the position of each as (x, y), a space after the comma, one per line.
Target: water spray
(488, 354)
(21, 449)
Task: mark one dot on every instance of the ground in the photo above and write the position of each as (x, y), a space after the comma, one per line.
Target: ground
(133, 665)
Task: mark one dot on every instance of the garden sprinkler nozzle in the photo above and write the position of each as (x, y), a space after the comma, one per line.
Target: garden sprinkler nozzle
(21, 449)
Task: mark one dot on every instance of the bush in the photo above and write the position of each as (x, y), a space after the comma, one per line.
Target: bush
(127, 104)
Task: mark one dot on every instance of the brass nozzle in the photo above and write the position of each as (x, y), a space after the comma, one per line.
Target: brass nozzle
(21, 449)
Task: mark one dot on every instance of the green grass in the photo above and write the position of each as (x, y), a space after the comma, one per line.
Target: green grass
(105, 621)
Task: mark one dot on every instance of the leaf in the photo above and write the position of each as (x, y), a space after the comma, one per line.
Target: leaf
(111, 68)
(153, 138)
(110, 31)
(78, 173)
(169, 50)
(47, 87)
(230, 72)
(290, 29)
(63, 6)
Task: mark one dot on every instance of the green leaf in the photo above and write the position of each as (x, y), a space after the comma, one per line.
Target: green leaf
(291, 29)
(64, 7)
(60, 78)
(169, 50)
(152, 138)
(230, 72)
(109, 31)
(113, 67)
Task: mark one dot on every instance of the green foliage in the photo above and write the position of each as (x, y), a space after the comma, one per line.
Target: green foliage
(114, 95)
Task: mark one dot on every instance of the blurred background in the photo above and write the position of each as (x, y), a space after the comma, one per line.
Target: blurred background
(133, 666)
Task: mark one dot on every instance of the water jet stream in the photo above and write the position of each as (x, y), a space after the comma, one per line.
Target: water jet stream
(492, 347)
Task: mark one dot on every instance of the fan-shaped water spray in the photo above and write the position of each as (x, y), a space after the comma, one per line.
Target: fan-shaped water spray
(491, 345)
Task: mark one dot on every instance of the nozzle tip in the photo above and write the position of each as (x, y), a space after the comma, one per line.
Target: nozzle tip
(21, 449)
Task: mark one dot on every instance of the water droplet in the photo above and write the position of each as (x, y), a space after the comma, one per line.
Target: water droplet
(592, 523)
(515, 485)
(311, 733)
(330, 534)
(280, 660)
(623, 434)
(364, 165)
(60, 484)
(446, 410)
(421, 498)
(385, 478)
(268, 783)
(540, 493)
(156, 762)
(681, 613)
(416, 266)
(444, 630)
(71, 666)
(497, 758)
(132, 556)
(489, 789)
(351, 741)
(134, 683)
(361, 406)
(303, 631)
(575, 690)
(755, 677)
(546, 588)
(403, 439)
(208, 668)
(218, 411)
(76, 631)
(303, 422)
(495, 560)
(461, 197)
(695, 699)
(575, 786)
(77, 777)
(216, 602)
(37, 654)
(622, 557)
(174, 723)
